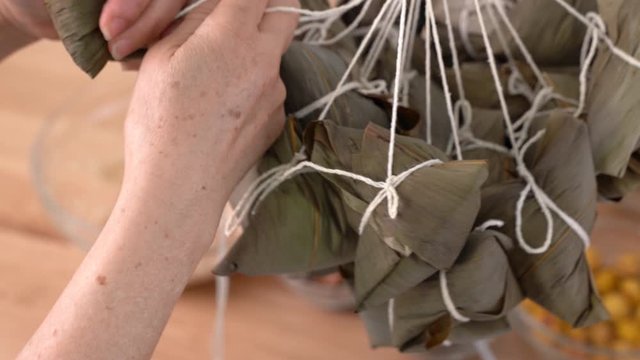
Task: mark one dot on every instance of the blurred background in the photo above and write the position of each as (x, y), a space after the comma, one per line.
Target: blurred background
(60, 168)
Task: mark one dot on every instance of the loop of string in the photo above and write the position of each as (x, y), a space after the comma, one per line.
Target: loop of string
(448, 301)
(587, 54)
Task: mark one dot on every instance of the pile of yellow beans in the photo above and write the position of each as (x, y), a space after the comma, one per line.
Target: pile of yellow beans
(619, 287)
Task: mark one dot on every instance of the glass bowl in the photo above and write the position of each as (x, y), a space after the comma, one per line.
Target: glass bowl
(616, 234)
(77, 162)
(327, 291)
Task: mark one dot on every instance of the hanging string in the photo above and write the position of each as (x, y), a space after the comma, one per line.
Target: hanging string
(623, 55)
(587, 54)
(445, 85)
(545, 203)
(427, 72)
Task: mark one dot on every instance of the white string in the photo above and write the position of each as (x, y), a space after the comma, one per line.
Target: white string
(454, 52)
(623, 55)
(464, 30)
(519, 42)
(189, 8)
(223, 284)
(373, 87)
(445, 85)
(545, 203)
(386, 25)
(493, 223)
(391, 313)
(587, 54)
(427, 72)
(356, 57)
(396, 99)
(348, 30)
(448, 302)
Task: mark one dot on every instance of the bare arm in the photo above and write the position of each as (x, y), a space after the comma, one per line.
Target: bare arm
(207, 104)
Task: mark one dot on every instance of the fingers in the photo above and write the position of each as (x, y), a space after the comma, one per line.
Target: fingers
(147, 28)
(118, 15)
(240, 14)
(189, 24)
(279, 26)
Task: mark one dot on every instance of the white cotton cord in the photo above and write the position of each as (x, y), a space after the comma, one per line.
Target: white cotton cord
(391, 311)
(386, 27)
(356, 57)
(454, 51)
(396, 102)
(445, 85)
(623, 55)
(189, 8)
(223, 284)
(427, 76)
(248, 202)
(493, 223)
(388, 191)
(587, 55)
(546, 204)
(520, 43)
(314, 15)
(448, 301)
(464, 30)
(410, 36)
(348, 30)
(376, 87)
(267, 183)
(516, 83)
(525, 121)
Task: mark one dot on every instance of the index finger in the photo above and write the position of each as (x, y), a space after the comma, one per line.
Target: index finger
(240, 14)
(280, 25)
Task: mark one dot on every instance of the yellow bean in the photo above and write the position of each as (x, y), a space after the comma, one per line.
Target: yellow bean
(630, 287)
(617, 305)
(629, 264)
(601, 334)
(605, 280)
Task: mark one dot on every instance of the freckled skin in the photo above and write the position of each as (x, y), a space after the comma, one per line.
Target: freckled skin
(207, 105)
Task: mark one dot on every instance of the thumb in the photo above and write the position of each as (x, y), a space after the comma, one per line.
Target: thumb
(118, 15)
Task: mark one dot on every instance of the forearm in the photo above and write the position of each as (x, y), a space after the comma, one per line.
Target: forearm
(11, 39)
(121, 297)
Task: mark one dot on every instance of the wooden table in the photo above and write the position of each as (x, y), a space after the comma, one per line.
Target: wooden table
(265, 320)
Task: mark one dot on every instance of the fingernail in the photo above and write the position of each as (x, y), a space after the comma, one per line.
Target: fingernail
(121, 49)
(113, 28)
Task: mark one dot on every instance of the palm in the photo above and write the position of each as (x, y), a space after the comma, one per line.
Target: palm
(31, 16)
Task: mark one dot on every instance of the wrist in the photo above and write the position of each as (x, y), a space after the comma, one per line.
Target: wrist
(181, 201)
(11, 37)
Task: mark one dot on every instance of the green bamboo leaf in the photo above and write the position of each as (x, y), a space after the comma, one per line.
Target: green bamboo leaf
(77, 23)
(563, 168)
(613, 108)
(481, 284)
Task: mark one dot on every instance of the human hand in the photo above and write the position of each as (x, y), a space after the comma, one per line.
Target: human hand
(208, 101)
(129, 25)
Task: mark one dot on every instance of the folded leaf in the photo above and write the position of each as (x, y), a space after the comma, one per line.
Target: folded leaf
(77, 23)
(563, 168)
(482, 286)
(613, 107)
